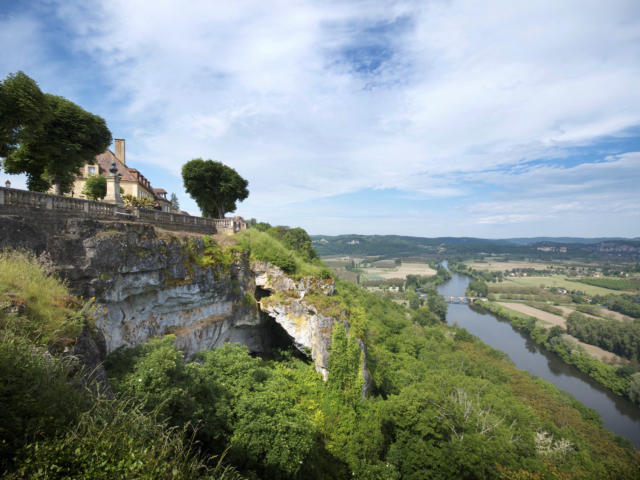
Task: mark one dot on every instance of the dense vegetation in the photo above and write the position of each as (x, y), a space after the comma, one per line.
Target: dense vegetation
(51, 427)
(626, 304)
(440, 403)
(621, 338)
(612, 283)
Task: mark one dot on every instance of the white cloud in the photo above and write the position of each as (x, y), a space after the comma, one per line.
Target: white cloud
(280, 90)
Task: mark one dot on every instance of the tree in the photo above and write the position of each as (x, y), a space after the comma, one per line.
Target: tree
(174, 202)
(50, 151)
(22, 107)
(95, 188)
(478, 287)
(214, 186)
(438, 306)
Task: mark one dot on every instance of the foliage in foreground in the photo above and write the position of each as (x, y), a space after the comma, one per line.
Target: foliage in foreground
(440, 405)
(50, 426)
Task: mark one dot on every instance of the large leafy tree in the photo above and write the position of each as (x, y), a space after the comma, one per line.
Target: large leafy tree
(22, 106)
(214, 186)
(50, 151)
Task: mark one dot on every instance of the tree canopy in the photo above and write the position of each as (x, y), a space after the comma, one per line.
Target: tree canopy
(22, 105)
(48, 138)
(214, 186)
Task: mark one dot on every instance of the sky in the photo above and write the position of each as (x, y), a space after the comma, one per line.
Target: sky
(490, 119)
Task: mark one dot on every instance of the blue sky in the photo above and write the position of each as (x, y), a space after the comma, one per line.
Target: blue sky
(430, 118)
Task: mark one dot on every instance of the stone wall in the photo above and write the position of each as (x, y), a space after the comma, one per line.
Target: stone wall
(21, 202)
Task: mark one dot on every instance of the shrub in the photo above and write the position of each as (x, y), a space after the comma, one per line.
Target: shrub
(36, 397)
(95, 187)
(116, 439)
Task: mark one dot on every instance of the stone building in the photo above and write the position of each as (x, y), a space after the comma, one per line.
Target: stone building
(132, 182)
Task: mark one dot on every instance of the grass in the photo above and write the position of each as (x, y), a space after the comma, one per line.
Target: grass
(263, 246)
(34, 303)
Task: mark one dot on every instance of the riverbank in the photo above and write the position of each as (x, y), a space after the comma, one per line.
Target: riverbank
(562, 345)
(618, 414)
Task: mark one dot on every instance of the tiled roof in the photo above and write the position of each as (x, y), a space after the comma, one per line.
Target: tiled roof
(106, 158)
(104, 161)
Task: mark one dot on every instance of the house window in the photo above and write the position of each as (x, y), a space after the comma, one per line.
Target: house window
(92, 171)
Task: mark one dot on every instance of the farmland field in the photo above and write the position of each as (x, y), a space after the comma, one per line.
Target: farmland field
(559, 281)
(400, 272)
(554, 320)
(496, 266)
(601, 312)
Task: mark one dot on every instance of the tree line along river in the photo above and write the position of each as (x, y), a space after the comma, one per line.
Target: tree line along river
(618, 414)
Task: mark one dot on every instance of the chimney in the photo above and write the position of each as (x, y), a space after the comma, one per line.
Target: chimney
(119, 143)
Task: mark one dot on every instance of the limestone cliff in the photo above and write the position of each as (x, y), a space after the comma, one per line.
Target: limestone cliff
(150, 283)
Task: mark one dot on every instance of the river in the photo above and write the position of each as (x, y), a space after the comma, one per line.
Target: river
(618, 414)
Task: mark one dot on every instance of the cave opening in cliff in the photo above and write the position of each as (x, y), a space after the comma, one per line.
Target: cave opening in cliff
(279, 340)
(260, 293)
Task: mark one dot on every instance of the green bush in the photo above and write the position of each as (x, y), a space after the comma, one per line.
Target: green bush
(116, 439)
(37, 399)
(95, 187)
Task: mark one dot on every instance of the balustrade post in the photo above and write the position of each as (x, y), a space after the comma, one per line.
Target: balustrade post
(1, 197)
(49, 203)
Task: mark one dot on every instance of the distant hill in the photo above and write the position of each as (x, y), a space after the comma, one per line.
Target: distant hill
(564, 240)
(545, 248)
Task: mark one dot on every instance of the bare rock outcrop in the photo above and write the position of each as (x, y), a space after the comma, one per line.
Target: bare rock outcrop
(309, 329)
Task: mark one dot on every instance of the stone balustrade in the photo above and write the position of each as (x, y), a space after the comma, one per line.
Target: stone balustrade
(19, 200)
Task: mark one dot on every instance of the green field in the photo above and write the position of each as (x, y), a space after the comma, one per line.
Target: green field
(559, 281)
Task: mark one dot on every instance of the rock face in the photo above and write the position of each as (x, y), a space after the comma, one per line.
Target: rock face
(308, 328)
(151, 287)
(149, 284)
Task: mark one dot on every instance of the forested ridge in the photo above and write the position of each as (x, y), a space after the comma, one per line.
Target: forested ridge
(390, 246)
(440, 403)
